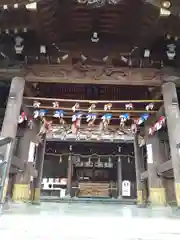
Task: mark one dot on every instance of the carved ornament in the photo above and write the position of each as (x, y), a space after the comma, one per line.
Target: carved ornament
(93, 74)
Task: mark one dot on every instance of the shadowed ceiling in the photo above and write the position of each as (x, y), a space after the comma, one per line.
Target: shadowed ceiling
(130, 21)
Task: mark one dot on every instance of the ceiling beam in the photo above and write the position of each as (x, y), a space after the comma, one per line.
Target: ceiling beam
(88, 74)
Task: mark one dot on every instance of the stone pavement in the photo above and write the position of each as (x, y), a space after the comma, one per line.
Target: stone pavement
(63, 221)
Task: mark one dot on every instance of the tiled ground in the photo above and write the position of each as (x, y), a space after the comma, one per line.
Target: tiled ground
(77, 221)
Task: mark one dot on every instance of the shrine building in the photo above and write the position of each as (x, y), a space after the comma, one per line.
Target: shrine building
(90, 101)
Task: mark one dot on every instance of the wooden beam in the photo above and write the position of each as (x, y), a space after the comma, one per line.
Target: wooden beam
(161, 168)
(164, 167)
(93, 75)
(91, 101)
(88, 74)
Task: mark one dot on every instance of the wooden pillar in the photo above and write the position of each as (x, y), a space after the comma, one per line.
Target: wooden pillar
(10, 123)
(119, 177)
(40, 154)
(26, 152)
(139, 166)
(171, 107)
(157, 192)
(69, 176)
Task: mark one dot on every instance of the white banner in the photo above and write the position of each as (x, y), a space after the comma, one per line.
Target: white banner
(149, 153)
(126, 188)
(31, 152)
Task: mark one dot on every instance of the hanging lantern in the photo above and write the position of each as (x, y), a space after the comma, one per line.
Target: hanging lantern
(129, 106)
(171, 51)
(78, 159)
(110, 164)
(60, 159)
(36, 104)
(55, 104)
(95, 37)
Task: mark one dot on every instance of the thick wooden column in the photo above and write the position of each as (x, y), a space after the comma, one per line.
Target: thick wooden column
(139, 166)
(69, 176)
(119, 177)
(157, 192)
(171, 107)
(40, 153)
(26, 152)
(10, 123)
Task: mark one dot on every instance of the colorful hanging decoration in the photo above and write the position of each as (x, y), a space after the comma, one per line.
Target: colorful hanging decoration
(106, 118)
(150, 107)
(142, 119)
(58, 114)
(76, 119)
(92, 107)
(76, 116)
(134, 128)
(90, 119)
(107, 107)
(22, 117)
(123, 119)
(30, 123)
(45, 128)
(40, 113)
(36, 104)
(75, 107)
(55, 104)
(158, 125)
(36, 114)
(129, 106)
